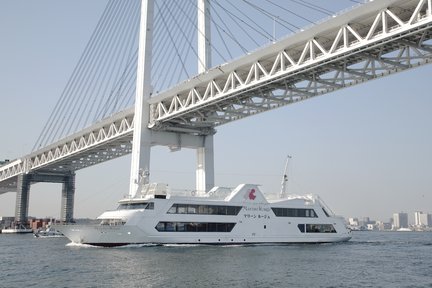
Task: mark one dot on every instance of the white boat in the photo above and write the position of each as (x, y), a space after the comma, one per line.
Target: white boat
(16, 230)
(220, 216)
(404, 230)
(48, 233)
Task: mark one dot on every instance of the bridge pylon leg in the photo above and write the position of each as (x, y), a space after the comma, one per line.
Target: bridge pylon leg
(67, 200)
(22, 199)
(205, 166)
(141, 143)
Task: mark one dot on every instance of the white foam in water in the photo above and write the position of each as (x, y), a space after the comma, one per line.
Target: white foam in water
(81, 245)
(182, 245)
(137, 245)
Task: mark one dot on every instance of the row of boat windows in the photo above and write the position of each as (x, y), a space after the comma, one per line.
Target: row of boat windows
(294, 212)
(112, 222)
(220, 210)
(128, 206)
(204, 209)
(316, 228)
(194, 227)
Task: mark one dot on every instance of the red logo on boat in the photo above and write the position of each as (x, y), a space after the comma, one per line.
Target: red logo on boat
(252, 195)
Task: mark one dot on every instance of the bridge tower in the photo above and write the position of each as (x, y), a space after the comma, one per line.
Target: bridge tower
(141, 143)
(205, 154)
(143, 137)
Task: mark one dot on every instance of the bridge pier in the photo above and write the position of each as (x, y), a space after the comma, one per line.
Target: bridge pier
(23, 193)
(22, 199)
(68, 196)
(205, 155)
(205, 165)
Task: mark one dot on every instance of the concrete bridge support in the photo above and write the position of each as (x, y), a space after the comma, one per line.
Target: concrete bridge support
(23, 193)
(22, 199)
(205, 165)
(67, 201)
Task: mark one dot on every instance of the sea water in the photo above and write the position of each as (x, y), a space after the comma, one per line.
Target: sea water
(369, 259)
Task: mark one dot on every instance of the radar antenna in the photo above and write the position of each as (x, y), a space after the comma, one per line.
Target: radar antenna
(284, 179)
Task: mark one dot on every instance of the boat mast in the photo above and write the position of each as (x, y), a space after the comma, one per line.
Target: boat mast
(284, 179)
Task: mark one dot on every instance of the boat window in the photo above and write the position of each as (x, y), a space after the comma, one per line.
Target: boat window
(222, 210)
(229, 227)
(160, 226)
(201, 227)
(325, 212)
(169, 226)
(180, 227)
(194, 227)
(204, 209)
(211, 227)
(182, 209)
(173, 209)
(301, 227)
(192, 209)
(212, 210)
(112, 222)
(320, 228)
(191, 227)
(294, 212)
(233, 210)
(131, 206)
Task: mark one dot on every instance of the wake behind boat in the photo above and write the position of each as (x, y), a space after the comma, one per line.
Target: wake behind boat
(220, 216)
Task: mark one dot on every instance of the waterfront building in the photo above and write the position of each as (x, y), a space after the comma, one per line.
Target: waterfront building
(382, 226)
(353, 221)
(422, 219)
(400, 220)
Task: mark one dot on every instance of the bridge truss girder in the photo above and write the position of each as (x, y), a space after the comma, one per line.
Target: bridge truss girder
(367, 46)
(103, 141)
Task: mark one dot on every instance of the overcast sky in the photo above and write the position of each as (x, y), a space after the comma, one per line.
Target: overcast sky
(365, 150)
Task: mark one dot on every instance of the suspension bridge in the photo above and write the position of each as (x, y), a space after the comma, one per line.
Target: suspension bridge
(373, 40)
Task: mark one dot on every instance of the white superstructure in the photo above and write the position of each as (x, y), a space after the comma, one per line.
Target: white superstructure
(221, 216)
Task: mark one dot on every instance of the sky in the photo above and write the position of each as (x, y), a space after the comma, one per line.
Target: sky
(365, 150)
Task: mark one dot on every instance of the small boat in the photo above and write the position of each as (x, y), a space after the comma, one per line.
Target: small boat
(48, 233)
(16, 230)
(404, 230)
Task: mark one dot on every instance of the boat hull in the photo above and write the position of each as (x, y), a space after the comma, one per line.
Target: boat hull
(96, 235)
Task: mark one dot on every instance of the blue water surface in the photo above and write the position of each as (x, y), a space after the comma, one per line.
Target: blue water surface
(370, 259)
